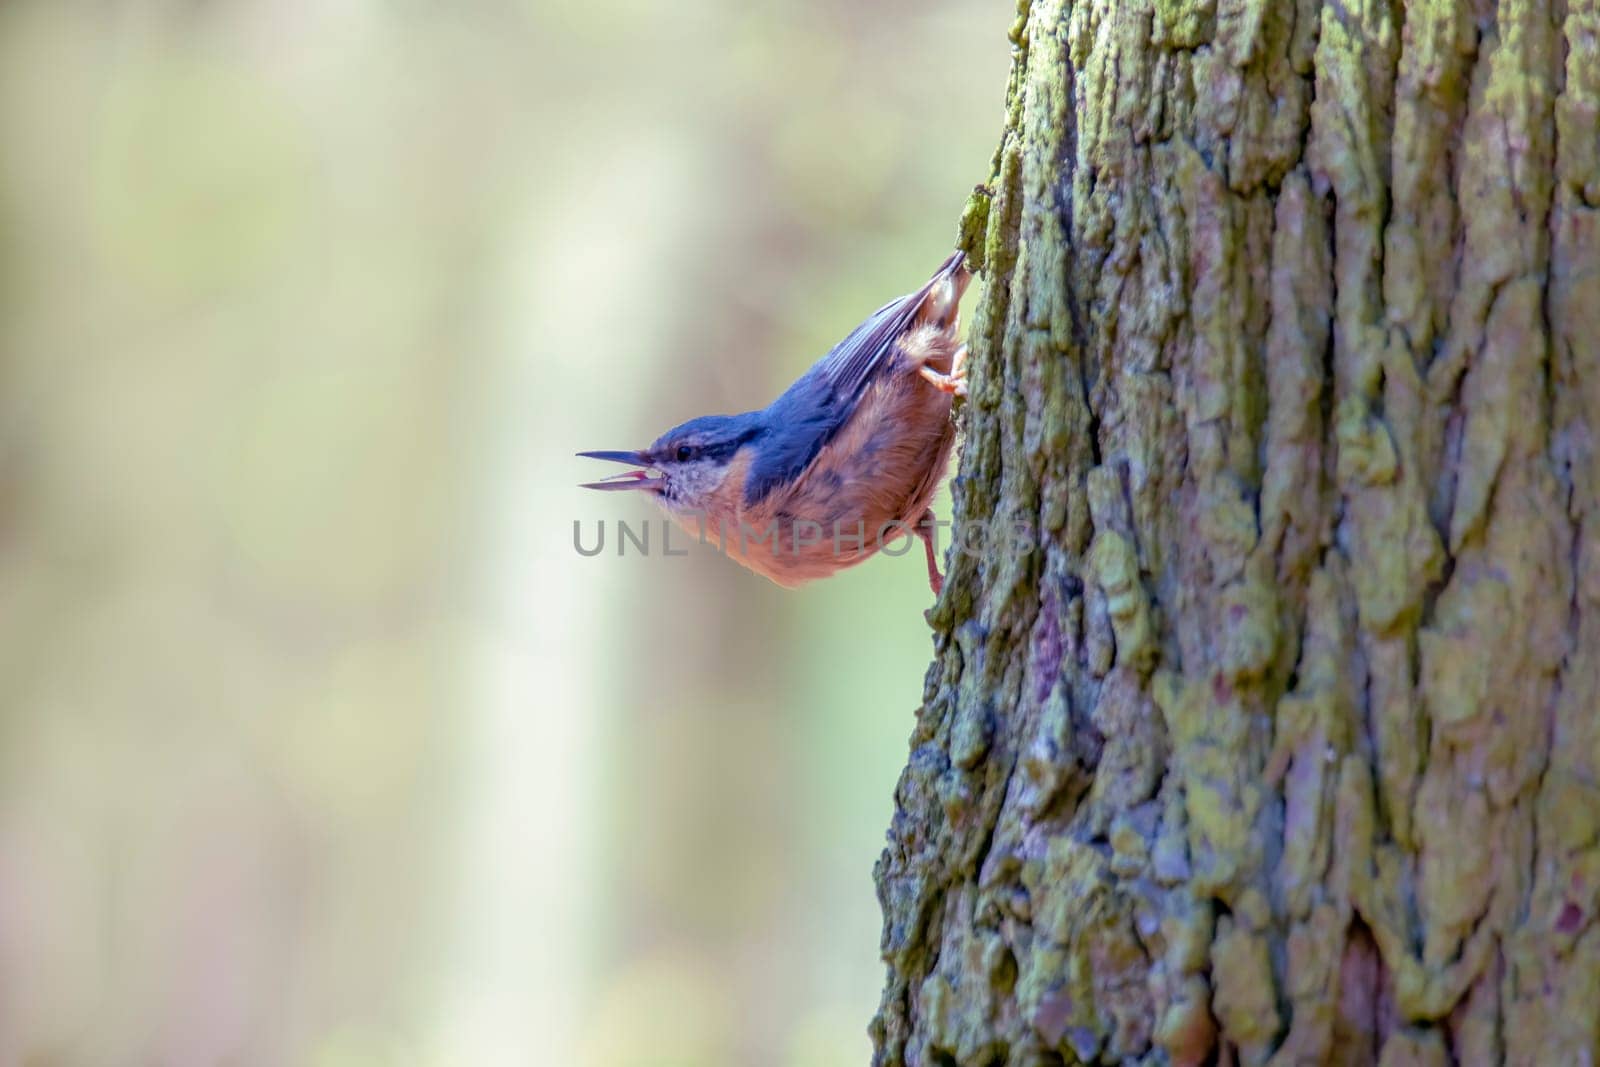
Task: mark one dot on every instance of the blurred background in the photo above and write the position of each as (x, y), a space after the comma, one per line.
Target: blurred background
(319, 742)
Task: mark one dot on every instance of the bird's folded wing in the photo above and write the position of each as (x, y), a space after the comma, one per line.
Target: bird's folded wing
(851, 363)
(808, 414)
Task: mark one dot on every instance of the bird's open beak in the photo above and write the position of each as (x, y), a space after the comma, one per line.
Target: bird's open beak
(639, 479)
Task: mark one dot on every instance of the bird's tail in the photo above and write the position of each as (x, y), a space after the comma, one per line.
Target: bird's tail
(943, 293)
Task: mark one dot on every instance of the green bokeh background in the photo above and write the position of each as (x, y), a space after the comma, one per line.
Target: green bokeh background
(319, 742)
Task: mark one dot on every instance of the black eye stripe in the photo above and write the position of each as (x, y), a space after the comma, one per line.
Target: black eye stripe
(714, 450)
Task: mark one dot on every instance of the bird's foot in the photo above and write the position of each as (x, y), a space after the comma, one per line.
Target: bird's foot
(954, 383)
(925, 530)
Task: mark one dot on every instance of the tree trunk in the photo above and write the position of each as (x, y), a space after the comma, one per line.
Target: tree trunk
(1282, 743)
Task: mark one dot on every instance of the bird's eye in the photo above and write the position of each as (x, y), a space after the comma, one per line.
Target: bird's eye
(684, 453)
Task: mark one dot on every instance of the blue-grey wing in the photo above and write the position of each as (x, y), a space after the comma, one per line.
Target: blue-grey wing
(799, 423)
(852, 362)
(813, 409)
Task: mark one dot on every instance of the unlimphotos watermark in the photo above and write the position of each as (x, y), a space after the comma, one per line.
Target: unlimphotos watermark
(1014, 537)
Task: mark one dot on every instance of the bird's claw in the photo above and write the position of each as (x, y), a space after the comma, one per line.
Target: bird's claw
(954, 383)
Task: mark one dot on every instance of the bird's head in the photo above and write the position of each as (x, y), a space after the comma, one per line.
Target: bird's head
(687, 464)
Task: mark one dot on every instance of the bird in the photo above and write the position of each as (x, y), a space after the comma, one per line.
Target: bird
(844, 461)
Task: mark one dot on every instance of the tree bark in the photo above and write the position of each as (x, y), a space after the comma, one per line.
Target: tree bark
(1282, 743)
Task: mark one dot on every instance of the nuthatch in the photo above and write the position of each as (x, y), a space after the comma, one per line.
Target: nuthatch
(845, 461)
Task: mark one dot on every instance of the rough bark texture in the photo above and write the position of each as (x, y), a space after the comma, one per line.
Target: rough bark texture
(1283, 745)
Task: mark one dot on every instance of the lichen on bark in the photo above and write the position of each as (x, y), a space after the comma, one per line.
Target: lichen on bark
(1283, 742)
